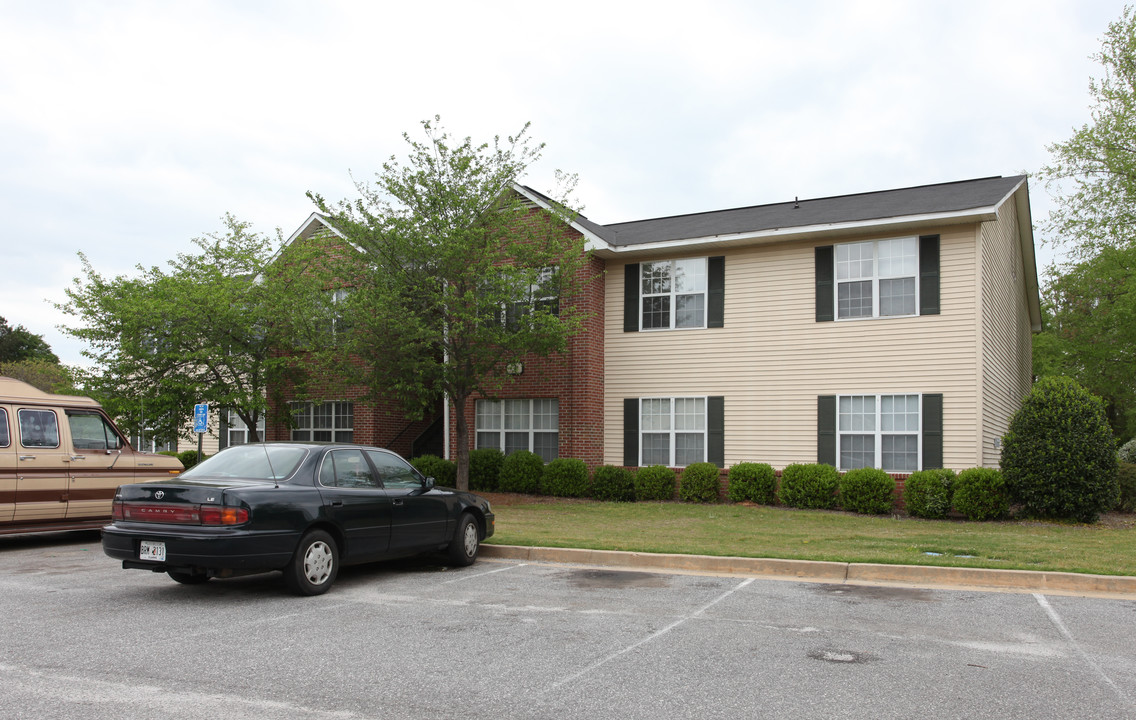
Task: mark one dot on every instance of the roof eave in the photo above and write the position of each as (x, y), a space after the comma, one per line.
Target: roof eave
(594, 243)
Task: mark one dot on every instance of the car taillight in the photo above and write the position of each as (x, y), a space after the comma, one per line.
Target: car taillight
(224, 516)
(116, 512)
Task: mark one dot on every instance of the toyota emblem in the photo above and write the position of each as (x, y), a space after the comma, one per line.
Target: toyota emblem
(159, 495)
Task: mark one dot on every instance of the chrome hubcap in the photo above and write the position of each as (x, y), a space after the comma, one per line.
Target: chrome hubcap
(317, 563)
(470, 540)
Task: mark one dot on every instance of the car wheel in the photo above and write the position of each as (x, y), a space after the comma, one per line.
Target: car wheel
(188, 578)
(466, 542)
(314, 566)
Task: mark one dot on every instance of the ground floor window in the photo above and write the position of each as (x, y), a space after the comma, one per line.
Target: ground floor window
(323, 422)
(879, 431)
(672, 431)
(511, 425)
(237, 432)
(148, 443)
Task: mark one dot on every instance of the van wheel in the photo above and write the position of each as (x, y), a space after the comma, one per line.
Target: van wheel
(188, 578)
(313, 568)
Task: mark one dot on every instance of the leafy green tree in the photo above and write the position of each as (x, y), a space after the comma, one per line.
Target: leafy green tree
(18, 343)
(1093, 173)
(455, 277)
(51, 377)
(207, 329)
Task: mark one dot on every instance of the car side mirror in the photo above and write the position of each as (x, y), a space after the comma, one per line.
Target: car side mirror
(428, 484)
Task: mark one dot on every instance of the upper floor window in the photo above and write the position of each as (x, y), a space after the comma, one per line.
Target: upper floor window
(877, 278)
(326, 422)
(673, 294)
(541, 295)
(238, 432)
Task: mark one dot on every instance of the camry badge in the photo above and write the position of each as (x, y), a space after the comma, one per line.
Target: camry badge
(159, 495)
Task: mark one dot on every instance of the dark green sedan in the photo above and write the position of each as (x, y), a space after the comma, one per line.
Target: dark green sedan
(302, 508)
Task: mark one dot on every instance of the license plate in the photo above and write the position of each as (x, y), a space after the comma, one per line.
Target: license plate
(152, 550)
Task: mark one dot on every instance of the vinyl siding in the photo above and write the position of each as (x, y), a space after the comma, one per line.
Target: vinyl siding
(1007, 342)
(772, 359)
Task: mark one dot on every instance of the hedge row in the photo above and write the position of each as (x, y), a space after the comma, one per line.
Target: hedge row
(977, 493)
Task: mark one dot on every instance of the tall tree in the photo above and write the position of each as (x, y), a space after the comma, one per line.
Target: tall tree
(18, 343)
(208, 329)
(1093, 174)
(456, 276)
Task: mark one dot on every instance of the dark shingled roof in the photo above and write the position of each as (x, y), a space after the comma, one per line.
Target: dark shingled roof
(905, 202)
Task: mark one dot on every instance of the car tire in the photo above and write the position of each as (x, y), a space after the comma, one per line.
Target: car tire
(465, 543)
(314, 565)
(188, 578)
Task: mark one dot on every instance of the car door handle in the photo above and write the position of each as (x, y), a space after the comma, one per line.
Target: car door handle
(27, 457)
(397, 501)
(337, 503)
(78, 457)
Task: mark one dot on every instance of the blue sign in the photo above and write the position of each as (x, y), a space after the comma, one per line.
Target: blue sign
(200, 417)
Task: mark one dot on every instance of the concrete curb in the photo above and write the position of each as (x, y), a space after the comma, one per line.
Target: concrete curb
(1023, 581)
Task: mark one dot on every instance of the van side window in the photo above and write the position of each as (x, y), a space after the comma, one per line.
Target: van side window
(5, 437)
(38, 429)
(91, 432)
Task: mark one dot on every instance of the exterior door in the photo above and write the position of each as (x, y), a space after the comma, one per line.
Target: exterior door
(41, 467)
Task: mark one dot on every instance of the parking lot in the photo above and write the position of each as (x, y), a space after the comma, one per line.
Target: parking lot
(508, 639)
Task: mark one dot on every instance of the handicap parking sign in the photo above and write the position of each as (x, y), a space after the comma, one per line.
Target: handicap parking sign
(200, 417)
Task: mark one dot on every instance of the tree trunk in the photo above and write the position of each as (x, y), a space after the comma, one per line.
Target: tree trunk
(462, 438)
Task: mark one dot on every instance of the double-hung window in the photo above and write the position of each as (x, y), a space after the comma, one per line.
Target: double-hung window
(879, 431)
(673, 294)
(511, 425)
(237, 433)
(878, 278)
(326, 422)
(541, 295)
(672, 431)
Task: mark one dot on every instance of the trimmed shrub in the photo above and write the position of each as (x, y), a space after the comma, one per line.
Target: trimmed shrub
(1127, 452)
(868, 491)
(566, 477)
(485, 469)
(613, 483)
(980, 494)
(521, 472)
(699, 483)
(1059, 455)
(1127, 476)
(753, 482)
(929, 493)
(443, 471)
(188, 458)
(655, 482)
(809, 486)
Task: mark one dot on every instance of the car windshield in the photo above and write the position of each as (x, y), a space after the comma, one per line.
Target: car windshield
(256, 462)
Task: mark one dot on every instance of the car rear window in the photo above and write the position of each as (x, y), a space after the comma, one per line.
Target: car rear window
(253, 462)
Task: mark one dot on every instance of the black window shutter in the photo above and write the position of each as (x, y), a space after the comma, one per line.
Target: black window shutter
(716, 430)
(932, 431)
(631, 432)
(826, 430)
(716, 302)
(825, 290)
(223, 437)
(929, 275)
(631, 297)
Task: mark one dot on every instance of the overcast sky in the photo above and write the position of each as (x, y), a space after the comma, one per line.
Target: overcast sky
(129, 128)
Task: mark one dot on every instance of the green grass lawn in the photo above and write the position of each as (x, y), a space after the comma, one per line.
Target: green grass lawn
(1107, 548)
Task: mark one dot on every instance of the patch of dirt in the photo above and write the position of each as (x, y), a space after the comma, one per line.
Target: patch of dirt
(505, 499)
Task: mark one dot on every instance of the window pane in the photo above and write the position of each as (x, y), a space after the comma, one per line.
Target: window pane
(900, 453)
(545, 414)
(854, 261)
(854, 299)
(321, 435)
(899, 413)
(656, 312)
(515, 441)
(857, 451)
(489, 414)
(489, 440)
(517, 415)
(344, 415)
(898, 257)
(344, 436)
(656, 415)
(690, 275)
(689, 310)
(897, 296)
(656, 277)
(690, 413)
(545, 445)
(857, 413)
(656, 449)
(323, 416)
(689, 448)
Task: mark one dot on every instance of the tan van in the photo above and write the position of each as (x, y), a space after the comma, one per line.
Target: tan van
(61, 459)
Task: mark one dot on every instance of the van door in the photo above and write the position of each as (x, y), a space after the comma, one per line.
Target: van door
(41, 467)
(100, 461)
(7, 469)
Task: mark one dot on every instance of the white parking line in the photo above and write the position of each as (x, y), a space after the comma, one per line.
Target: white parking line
(1060, 624)
(463, 578)
(649, 638)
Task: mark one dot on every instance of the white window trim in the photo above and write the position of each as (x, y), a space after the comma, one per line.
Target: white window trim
(295, 406)
(836, 281)
(705, 432)
(501, 431)
(879, 433)
(705, 293)
(531, 299)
